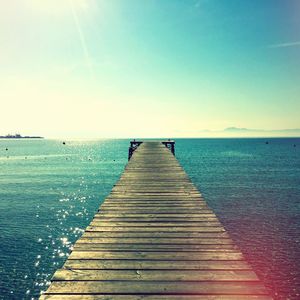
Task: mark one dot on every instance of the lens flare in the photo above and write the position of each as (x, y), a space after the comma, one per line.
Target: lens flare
(82, 39)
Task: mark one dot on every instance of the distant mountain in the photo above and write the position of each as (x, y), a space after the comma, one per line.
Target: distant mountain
(241, 130)
(248, 132)
(236, 129)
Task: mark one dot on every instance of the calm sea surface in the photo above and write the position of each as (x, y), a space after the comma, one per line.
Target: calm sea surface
(49, 192)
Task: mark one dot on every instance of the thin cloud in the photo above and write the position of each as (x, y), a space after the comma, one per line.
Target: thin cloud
(285, 45)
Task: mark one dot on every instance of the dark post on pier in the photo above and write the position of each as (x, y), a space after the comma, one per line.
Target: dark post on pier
(170, 145)
(133, 146)
(154, 237)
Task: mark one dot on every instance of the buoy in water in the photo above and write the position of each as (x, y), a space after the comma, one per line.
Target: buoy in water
(64, 143)
(267, 142)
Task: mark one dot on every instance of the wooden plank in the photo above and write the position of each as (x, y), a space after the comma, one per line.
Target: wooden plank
(158, 213)
(156, 287)
(103, 223)
(153, 205)
(156, 234)
(154, 247)
(141, 264)
(182, 241)
(146, 215)
(157, 210)
(156, 229)
(162, 192)
(98, 218)
(154, 275)
(151, 255)
(154, 297)
(153, 197)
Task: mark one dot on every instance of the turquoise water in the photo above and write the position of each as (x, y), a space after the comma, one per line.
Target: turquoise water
(50, 191)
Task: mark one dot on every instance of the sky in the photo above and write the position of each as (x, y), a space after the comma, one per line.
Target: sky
(148, 68)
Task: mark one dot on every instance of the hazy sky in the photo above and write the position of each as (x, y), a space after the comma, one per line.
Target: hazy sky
(148, 68)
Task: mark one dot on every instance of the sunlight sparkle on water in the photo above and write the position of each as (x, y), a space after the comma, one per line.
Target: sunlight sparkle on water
(65, 241)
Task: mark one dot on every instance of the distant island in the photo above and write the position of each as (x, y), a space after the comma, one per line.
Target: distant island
(19, 136)
(239, 129)
(242, 132)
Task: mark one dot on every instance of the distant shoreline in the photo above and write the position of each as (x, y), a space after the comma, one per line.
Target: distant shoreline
(20, 137)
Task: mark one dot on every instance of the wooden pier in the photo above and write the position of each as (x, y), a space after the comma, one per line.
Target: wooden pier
(154, 237)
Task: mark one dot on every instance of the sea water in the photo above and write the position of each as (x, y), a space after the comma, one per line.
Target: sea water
(49, 192)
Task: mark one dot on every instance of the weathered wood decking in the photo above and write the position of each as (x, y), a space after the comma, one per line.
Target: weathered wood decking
(154, 237)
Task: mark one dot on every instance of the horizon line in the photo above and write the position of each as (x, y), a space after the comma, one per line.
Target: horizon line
(159, 138)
